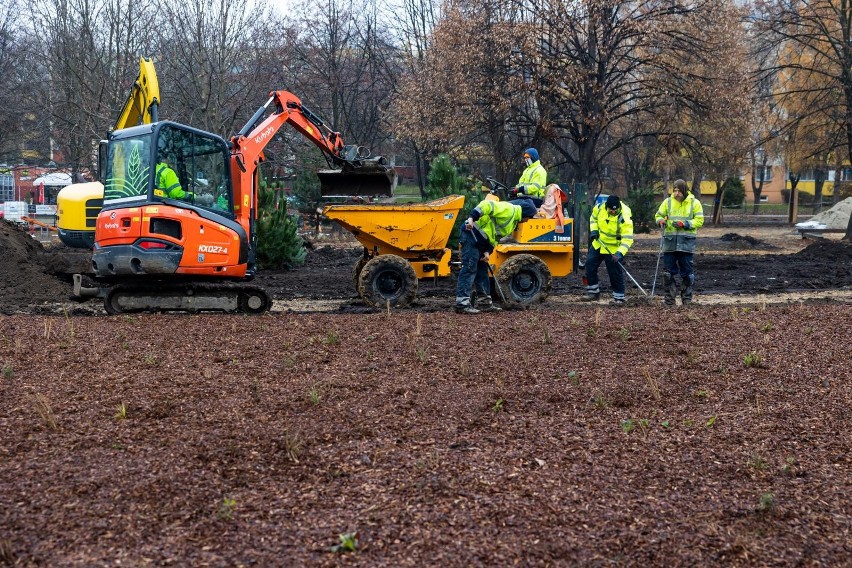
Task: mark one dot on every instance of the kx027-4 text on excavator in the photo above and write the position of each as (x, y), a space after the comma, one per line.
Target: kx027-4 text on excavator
(178, 226)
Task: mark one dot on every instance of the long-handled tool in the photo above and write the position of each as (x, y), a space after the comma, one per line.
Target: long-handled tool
(497, 283)
(659, 254)
(633, 279)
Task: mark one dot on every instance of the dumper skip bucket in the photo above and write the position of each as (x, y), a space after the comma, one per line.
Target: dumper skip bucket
(407, 230)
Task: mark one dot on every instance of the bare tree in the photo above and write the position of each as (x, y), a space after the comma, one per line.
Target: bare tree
(813, 44)
(84, 54)
(589, 77)
(216, 61)
(339, 66)
(459, 98)
(10, 63)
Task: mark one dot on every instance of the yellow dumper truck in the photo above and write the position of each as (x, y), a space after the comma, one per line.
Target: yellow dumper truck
(404, 243)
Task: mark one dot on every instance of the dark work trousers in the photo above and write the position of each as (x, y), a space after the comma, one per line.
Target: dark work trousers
(528, 206)
(474, 272)
(616, 278)
(678, 263)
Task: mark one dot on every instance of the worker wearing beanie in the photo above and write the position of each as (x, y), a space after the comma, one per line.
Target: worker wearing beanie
(533, 179)
(610, 237)
(679, 216)
(489, 221)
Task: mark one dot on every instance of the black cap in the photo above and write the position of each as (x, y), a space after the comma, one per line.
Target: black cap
(613, 202)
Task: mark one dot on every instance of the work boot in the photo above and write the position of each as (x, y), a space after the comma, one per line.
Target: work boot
(670, 286)
(487, 305)
(686, 292)
(590, 298)
(466, 309)
(617, 302)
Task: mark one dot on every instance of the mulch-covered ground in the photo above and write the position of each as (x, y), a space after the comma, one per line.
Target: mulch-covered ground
(709, 436)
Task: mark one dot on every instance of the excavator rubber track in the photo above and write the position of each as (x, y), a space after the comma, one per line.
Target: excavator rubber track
(188, 297)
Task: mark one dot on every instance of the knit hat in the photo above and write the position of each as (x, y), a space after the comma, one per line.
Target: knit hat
(680, 185)
(533, 154)
(613, 202)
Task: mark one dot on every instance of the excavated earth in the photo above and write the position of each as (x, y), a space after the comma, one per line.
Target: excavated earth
(561, 435)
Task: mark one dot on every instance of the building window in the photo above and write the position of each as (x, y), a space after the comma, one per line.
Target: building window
(764, 198)
(767, 173)
(7, 187)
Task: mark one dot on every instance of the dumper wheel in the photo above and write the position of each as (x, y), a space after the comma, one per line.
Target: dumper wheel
(356, 271)
(525, 279)
(388, 278)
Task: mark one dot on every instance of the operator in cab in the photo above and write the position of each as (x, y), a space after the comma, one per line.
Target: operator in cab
(533, 179)
(168, 184)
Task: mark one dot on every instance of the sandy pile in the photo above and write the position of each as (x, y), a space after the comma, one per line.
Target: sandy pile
(835, 218)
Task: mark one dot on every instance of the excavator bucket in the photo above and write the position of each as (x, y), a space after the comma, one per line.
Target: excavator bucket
(369, 182)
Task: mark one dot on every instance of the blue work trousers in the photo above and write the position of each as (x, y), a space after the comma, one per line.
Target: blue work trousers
(678, 262)
(474, 271)
(616, 278)
(528, 206)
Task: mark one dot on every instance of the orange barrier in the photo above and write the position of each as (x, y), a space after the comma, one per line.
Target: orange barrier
(32, 222)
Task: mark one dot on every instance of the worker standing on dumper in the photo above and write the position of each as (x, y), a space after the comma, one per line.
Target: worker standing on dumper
(610, 237)
(488, 222)
(533, 179)
(680, 216)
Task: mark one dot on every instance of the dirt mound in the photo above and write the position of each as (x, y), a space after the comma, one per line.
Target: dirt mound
(741, 241)
(26, 270)
(836, 251)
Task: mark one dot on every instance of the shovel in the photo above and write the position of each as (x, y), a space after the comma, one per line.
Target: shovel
(659, 254)
(497, 283)
(633, 279)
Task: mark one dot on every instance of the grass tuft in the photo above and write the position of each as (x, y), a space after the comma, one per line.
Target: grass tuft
(348, 543)
(293, 444)
(752, 359)
(226, 509)
(120, 412)
(45, 412)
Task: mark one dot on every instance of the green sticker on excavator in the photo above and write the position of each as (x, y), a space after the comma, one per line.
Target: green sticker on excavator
(129, 177)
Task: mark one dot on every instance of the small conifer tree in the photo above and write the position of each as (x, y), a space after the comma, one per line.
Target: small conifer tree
(278, 244)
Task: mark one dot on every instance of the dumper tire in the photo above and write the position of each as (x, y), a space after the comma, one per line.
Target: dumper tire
(356, 272)
(387, 278)
(525, 279)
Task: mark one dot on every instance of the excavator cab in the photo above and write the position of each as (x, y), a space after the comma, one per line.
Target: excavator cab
(168, 161)
(169, 207)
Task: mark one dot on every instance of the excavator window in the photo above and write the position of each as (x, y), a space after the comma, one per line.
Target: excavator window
(127, 170)
(193, 167)
(188, 165)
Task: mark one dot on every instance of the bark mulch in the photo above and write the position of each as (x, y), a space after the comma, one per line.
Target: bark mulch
(709, 436)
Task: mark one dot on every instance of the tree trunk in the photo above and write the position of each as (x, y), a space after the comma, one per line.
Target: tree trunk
(421, 177)
(793, 207)
(818, 183)
(717, 202)
(757, 188)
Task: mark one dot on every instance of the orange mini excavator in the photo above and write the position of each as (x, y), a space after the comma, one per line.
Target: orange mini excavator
(177, 229)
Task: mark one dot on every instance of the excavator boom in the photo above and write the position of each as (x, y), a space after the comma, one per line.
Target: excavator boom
(353, 170)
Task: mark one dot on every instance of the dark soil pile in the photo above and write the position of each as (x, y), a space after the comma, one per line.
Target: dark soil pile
(27, 271)
(835, 251)
(741, 241)
(593, 440)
